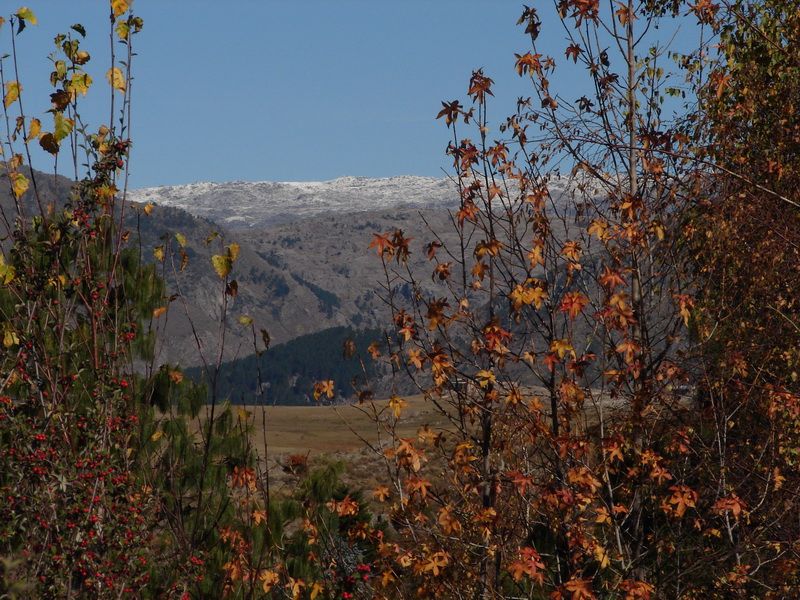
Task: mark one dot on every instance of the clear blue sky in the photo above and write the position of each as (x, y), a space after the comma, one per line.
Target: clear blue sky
(268, 90)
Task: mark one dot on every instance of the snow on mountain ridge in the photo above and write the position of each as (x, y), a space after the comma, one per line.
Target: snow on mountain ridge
(250, 204)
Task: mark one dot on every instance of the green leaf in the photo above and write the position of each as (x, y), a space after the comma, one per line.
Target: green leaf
(63, 126)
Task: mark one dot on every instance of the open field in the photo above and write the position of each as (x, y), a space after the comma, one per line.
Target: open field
(332, 429)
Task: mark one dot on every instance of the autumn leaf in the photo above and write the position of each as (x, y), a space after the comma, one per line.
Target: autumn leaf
(561, 347)
(529, 565)
(7, 272)
(148, 208)
(181, 239)
(628, 348)
(26, 14)
(34, 129)
(62, 126)
(48, 143)
(573, 304)
(158, 253)
(222, 265)
(683, 498)
(157, 312)
(436, 562)
(10, 338)
(116, 79)
(119, 7)
(245, 320)
(268, 580)
(316, 589)
(13, 89)
(598, 228)
(581, 589)
(485, 378)
(397, 404)
(732, 504)
(19, 184)
(78, 84)
(381, 493)
(574, 51)
(324, 388)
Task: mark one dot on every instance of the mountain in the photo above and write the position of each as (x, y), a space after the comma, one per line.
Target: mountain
(254, 205)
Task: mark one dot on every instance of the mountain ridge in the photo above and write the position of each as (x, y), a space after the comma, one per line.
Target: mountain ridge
(256, 204)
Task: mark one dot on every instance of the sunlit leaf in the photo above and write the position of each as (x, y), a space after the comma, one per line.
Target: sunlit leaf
(13, 89)
(116, 79)
(119, 7)
(19, 184)
(222, 265)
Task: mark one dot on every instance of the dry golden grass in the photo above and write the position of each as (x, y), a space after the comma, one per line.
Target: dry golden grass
(332, 429)
(337, 433)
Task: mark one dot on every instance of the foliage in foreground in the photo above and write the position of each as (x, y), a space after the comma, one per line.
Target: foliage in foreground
(637, 270)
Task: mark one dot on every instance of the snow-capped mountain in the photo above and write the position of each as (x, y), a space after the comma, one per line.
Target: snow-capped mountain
(244, 204)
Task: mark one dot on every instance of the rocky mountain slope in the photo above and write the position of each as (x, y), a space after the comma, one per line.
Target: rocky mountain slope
(254, 205)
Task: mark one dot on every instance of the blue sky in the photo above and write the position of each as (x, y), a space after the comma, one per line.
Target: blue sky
(291, 90)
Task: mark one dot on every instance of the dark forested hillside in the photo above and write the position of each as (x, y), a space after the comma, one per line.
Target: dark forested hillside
(286, 374)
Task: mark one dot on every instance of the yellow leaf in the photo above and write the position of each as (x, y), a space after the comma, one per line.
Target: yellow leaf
(245, 320)
(148, 208)
(79, 84)
(233, 251)
(485, 378)
(181, 239)
(222, 265)
(10, 339)
(7, 272)
(26, 14)
(156, 435)
(33, 131)
(268, 580)
(116, 79)
(122, 29)
(119, 7)
(158, 253)
(601, 556)
(157, 312)
(13, 89)
(19, 184)
(316, 590)
(242, 414)
(397, 405)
